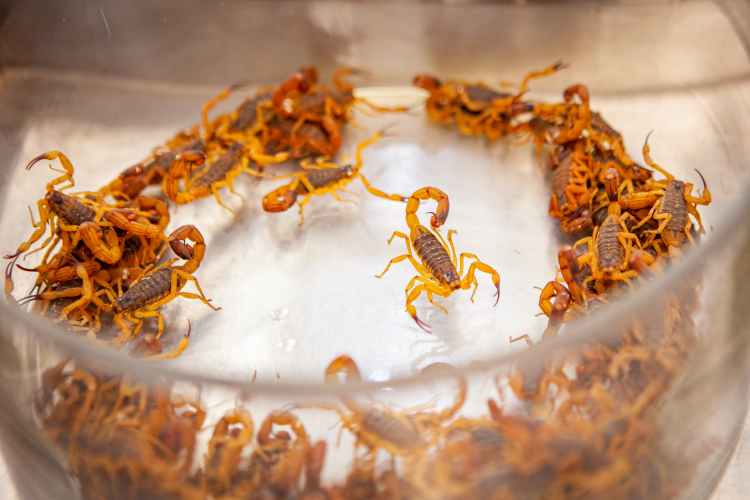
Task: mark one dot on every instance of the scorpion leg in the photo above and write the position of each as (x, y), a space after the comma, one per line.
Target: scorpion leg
(338, 198)
(664, 218)
(210, 105)
(694, 212)
(396, 260)
(190, 277)
(481, 266)
(215, 190)
(87, 291)
(150, 313)
(453, 249)
(377, 192)
(414, 294)
(588, 241)
(539, 74)
(523, 337)
(409, 255)
(627, 244)
(310, 191)
(126, 329)
(426, 281)
(230, 185)
(651, 213)
(109, 252)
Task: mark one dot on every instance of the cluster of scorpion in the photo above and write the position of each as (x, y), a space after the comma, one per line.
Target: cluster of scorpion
(590, 434)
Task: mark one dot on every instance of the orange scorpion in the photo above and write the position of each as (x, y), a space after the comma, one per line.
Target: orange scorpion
(437, 270)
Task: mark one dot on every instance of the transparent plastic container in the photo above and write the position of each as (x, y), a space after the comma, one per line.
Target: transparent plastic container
(664, 369)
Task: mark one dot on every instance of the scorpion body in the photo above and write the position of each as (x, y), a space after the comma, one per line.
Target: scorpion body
(570, 188)
(673, 203)
(391, 429)
(53, 308)
(475, 108)
(602, 127)
(608, 247)
(208, 181)
(70, 210)
(480, 94)
(220, 168)
(247, 114)
(326, 177)
(150, 289)
(309, 139)
(435, 257)
(561, 179)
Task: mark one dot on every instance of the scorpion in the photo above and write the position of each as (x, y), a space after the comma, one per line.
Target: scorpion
(672, 210)
(161, 285)
(561, 303)
(225, 446)
(77, 219)
(569, 119)
(256, 120)
(398, 433)
(569, 188)
(476, 108)
(321, 178)
(135, 179)
(297, 98)
(219, 174)
(611, 243)
(281, 460)
(437, 271)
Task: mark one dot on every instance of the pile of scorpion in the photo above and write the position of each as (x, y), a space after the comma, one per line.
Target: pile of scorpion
(588, 431)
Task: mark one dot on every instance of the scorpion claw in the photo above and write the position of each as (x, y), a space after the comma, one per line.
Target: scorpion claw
(12, 256)
(35, 160)
(421, 324)
(704, 180)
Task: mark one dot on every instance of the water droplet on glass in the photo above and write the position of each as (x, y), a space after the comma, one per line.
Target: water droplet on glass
(279, 314)
(288, 345)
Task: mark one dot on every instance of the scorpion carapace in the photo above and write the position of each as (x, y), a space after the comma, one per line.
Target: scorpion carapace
(437, 261)
(320, 178)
